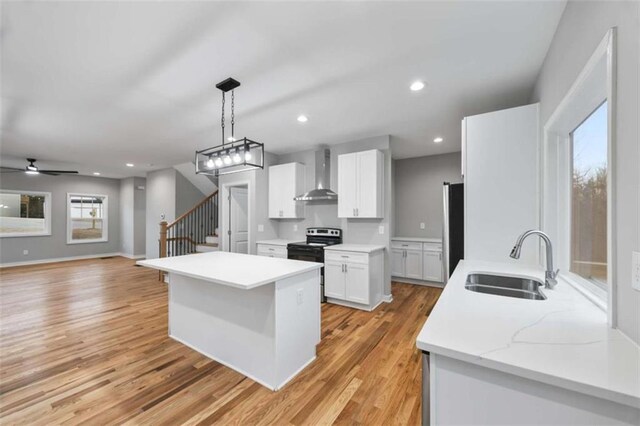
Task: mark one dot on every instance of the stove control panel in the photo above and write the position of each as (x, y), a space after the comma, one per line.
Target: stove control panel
(324, 232)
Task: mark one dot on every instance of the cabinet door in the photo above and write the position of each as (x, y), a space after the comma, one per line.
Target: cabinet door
(334, 280)
(413, 264)
(357, 283)
(397, 263)
(369, 184)
(291, 184)
(347, 188)
(432, 266)
(275, 183)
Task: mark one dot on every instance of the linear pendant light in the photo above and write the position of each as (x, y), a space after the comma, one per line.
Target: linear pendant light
(234, 155)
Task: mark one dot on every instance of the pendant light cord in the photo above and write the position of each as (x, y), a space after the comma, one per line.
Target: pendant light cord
(233, 115)
(222, 120)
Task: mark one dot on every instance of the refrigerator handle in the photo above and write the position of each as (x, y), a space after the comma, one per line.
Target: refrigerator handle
(445, 231)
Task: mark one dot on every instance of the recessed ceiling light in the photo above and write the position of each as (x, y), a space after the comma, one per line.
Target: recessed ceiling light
(438, 139)
(416, 85)
(303, 118)
(130, 164)
(96, 173)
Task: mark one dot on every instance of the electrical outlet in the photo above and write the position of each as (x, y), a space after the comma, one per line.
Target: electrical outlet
(25, 252)
(381, 229)
(300, 296)
(635, 270)
(260, 228)
(422, 225)
(295, 227)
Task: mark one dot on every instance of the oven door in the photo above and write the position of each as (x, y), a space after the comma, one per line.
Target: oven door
(309, 254)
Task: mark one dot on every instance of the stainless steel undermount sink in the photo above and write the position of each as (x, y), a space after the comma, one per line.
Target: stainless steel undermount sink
(521, 288)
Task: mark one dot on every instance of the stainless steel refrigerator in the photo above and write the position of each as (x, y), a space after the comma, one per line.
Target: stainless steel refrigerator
(453, 227)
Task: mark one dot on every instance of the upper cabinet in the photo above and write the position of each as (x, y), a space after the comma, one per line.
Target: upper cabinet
(285, 182)
(360, 185)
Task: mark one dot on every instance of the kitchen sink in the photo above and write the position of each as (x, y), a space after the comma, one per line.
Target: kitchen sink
(499, 285)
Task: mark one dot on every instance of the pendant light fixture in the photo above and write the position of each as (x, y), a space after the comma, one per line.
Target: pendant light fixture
(233, 155)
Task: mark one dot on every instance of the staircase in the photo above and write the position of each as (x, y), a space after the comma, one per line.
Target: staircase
(194, 231)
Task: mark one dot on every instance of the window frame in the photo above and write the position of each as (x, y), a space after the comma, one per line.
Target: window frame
(105, 219)
(594, 85)
(47, 214)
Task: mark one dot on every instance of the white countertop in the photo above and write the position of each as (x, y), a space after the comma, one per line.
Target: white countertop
(563, 341)
(243, 271)
(418, 239)
(359, 248)
(278, 242)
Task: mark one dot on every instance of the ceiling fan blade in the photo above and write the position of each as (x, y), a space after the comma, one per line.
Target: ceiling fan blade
(48, 173)
(10, 170)
(58, 172)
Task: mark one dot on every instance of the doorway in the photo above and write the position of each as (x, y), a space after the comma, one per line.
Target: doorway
(238, 218)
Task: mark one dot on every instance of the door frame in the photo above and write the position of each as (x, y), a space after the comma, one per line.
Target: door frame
(224, 213)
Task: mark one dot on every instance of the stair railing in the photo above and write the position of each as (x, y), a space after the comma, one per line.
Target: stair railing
(190, 229)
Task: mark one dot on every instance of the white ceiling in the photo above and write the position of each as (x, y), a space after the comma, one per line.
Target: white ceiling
(99, 84)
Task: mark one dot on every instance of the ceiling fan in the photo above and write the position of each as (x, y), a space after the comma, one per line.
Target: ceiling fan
(32, 169)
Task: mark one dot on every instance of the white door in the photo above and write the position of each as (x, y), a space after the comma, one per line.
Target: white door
(413, 264)
(238, 218)
(334, 280)
(347, 190)
(287, 191)
(432, 266)
(275, 182)
(397, 262)
(357, 283)
(367, 184)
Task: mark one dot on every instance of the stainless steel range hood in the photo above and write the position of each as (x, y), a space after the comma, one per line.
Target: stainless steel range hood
(323, 176)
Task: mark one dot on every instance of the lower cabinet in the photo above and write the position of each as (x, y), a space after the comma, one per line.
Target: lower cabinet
(271, 250)
(354, 279)
(432, 266)
(416, 260)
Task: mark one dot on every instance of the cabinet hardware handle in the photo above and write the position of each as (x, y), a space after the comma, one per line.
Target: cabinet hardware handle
(346, 268)
(346, 257)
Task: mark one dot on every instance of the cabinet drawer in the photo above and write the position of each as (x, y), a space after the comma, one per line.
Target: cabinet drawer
(406, 245)
(269, 250)
(432, 246)
(346, 256)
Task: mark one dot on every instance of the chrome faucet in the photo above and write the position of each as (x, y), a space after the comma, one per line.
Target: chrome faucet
(549, 275)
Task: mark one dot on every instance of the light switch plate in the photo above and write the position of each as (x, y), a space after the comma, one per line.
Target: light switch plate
(422, 225)
(260, 228)
(635, 270)
(25, 252)
(295, 227)
(300, 296)
(381, 229)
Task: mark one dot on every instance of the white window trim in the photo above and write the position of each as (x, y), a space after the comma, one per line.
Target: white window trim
(47, 215)
(105, 219)
(582, 99)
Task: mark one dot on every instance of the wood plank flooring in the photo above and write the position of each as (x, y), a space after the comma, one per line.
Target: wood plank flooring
(86, 342)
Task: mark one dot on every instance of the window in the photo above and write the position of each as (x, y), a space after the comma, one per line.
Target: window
(588, 245)
(87, 218)
(25, 213)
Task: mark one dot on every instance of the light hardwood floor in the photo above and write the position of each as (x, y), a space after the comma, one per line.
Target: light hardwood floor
(86, 342)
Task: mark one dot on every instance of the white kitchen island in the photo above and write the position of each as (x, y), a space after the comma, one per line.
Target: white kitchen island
(257, 315)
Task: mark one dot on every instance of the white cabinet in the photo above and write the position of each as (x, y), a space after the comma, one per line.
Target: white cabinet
(271, 250)
(432, 266)
(361, 184)
(354, 279)
(406, 263)
(416, 260)
(285, 182)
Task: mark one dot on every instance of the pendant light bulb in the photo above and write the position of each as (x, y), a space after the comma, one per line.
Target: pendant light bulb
(218, 162)
(210, 163)
(227, 159)
(236, 157)
(247, 155)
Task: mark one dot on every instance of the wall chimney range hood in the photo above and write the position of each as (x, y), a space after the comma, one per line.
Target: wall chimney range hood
(323, 176)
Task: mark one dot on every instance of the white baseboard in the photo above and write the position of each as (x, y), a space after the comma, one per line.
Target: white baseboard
(134, 256)
(387, 298)
(417, 282)
(58, 259)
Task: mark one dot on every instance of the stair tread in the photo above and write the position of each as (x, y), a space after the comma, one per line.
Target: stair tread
(208, 244)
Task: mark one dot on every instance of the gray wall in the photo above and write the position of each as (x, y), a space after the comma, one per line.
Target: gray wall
(582, 27)
(418, 193)
(139, 219)
(55, 246)
(357, 231)
(160, 201)
(187, 195)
